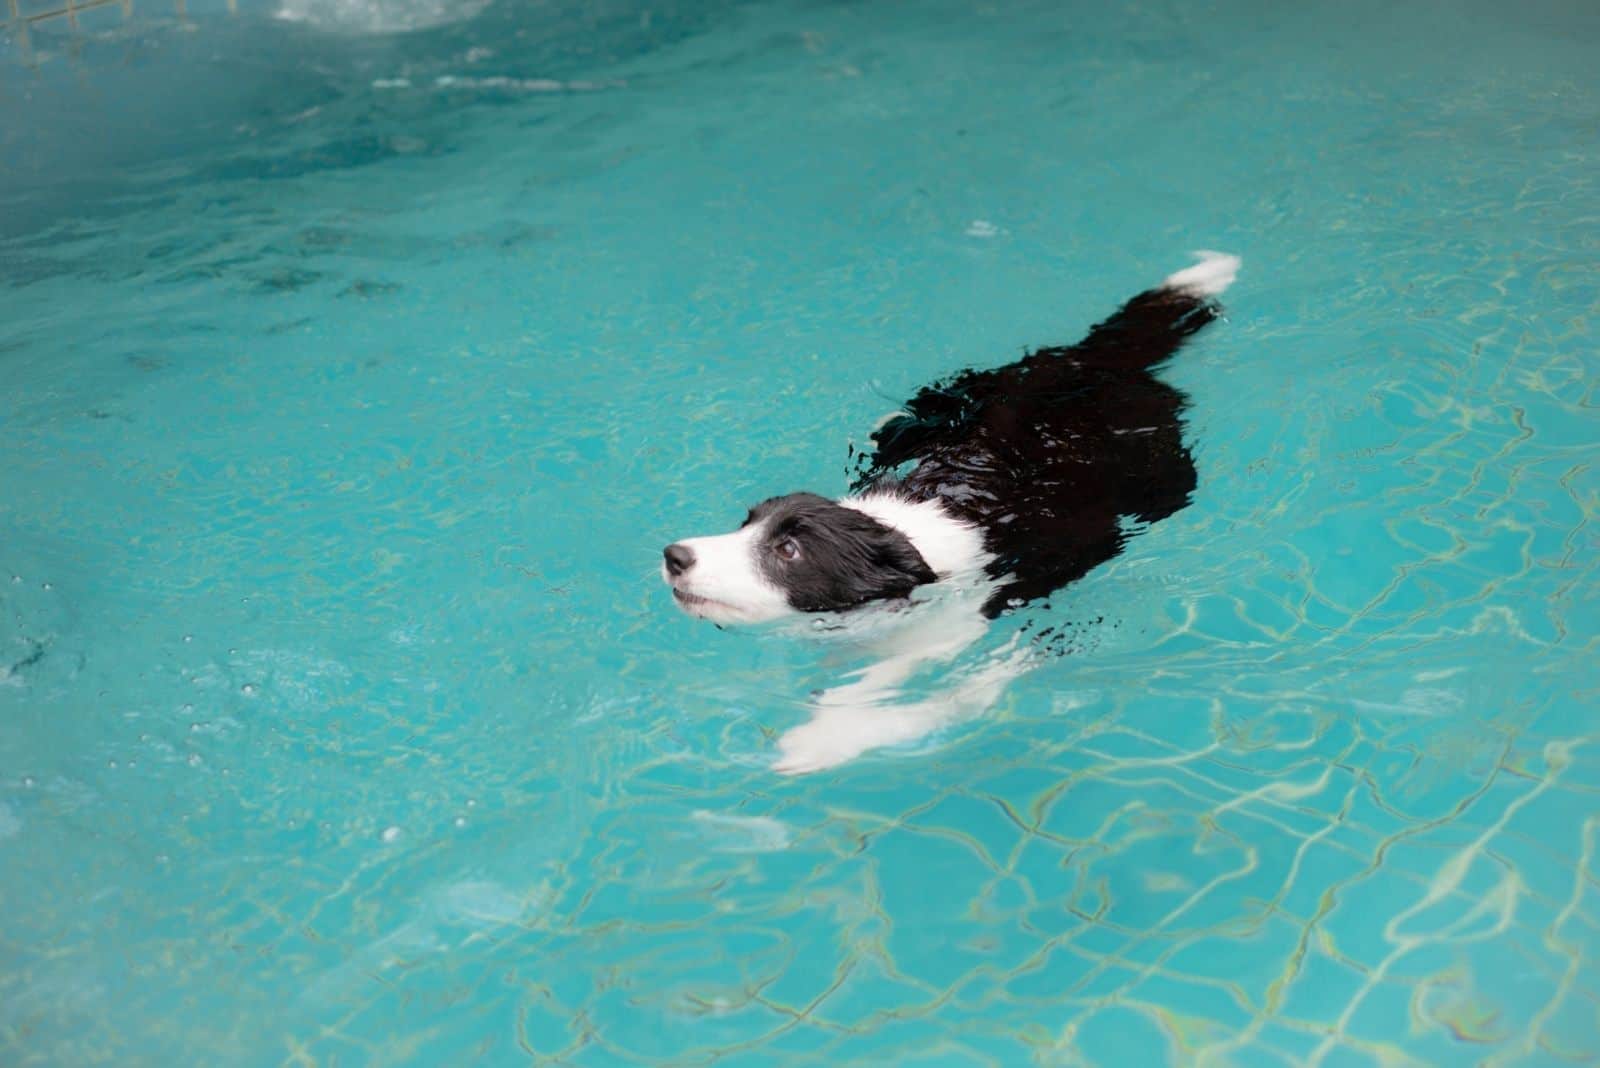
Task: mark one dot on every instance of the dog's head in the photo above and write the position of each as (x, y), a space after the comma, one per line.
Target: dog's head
(800, 553)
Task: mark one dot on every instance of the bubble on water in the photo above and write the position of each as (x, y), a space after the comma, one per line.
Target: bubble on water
(471, 803)
(188, 708)
(233, 652)
(162, 858)
(391, 833)
(224, 771)
(248, 689)
(48, 586)
(16, 578)
(28, 782)
(111, 763)
(188, 637)
(461, 821)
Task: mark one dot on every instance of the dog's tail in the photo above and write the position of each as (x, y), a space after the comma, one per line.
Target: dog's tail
(1151, 327)
(1214, 273)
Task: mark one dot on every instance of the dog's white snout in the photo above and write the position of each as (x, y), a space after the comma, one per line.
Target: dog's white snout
(718, 578)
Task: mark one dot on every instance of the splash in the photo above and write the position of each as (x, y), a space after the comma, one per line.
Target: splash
(379, 16)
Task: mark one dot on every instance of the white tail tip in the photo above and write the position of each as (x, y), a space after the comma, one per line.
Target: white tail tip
(1214, 273)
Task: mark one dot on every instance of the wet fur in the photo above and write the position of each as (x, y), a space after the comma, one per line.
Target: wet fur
(1047, 455)
(1001, 485)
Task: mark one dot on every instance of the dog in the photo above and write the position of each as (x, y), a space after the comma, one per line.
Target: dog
(990, 490)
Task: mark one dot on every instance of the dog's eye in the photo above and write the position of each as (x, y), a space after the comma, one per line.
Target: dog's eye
(788, 548)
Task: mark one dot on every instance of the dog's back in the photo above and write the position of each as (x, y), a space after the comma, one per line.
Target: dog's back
(1050, 454)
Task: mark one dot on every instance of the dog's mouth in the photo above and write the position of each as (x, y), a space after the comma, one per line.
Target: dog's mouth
(696, 604)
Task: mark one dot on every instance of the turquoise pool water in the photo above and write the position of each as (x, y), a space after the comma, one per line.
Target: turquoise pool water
(353, 381)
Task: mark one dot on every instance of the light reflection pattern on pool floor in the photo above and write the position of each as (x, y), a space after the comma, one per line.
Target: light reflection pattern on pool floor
(353, 382)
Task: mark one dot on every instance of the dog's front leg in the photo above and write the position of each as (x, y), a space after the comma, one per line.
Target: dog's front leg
(865, 713)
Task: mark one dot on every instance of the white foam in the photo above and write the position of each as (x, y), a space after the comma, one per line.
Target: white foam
(499, 84)
(379, 16)
(741, 834)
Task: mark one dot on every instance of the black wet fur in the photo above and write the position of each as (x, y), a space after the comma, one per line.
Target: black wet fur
(1049, 455)
(844, 558)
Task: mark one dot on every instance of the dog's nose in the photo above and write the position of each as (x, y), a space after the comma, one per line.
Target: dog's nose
(680, 558)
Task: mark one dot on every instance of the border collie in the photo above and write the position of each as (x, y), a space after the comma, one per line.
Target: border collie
(994, 488)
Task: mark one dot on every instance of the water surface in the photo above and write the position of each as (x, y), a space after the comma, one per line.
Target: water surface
(353, 380)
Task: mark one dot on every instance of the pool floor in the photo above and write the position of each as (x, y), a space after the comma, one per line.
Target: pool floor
(359, 359)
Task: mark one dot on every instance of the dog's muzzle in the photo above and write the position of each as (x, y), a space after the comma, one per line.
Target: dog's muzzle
(678, 559)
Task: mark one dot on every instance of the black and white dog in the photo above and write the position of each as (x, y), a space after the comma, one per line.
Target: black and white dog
(990, 490)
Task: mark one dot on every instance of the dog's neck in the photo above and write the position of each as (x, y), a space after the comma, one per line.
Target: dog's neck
(951, 547)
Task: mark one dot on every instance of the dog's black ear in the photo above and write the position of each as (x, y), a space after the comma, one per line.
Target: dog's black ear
(845, 557)
(901, 563)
